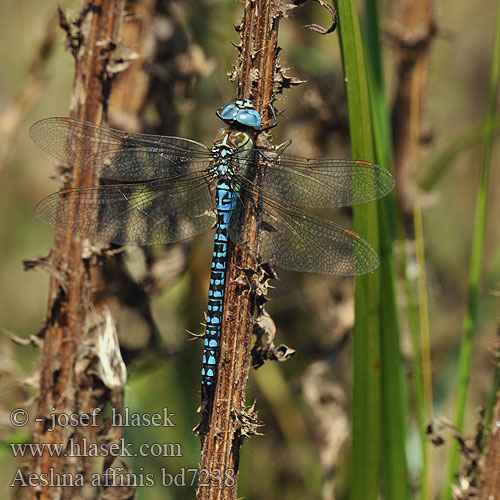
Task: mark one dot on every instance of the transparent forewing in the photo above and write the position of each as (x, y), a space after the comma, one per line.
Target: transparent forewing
(117, 155)
(135, 214)
(317, 183)
(299, 241)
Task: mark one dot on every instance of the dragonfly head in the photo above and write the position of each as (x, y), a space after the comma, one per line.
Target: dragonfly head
(240, 111)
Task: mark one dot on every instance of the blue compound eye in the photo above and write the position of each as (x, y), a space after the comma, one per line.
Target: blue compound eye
(250, 118)
(229, 112)
(242, 112)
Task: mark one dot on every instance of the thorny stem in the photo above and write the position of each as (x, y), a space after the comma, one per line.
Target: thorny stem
(226, 419)
(66, 387)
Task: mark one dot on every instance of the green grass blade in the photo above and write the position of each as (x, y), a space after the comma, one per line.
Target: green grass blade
(422, 353)
(394, 387)
(394, 391)
(471, 315)
(394, 399)
(366, 355)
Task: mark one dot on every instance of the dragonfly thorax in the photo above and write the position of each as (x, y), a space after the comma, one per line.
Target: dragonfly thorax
(227, 146)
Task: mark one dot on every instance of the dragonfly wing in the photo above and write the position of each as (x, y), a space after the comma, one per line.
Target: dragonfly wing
(135, 214)
(317, 183)
(117, 155)
(299, 241)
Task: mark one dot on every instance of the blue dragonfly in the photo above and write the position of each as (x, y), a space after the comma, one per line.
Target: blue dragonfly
(164, 189)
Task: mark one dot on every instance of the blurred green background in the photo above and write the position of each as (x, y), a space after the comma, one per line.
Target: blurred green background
(303, 403)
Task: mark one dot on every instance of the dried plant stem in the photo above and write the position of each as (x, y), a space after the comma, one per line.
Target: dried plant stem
(227, 420)
(490, 472)
(64, 387)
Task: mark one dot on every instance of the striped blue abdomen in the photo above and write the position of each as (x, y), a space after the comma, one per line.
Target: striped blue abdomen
(225, 199)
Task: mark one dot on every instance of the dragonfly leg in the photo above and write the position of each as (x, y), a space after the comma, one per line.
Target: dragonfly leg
(281, 147)
(274, 117)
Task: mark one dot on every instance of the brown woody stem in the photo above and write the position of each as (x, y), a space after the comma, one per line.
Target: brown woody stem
(66, 387)
(227, 418)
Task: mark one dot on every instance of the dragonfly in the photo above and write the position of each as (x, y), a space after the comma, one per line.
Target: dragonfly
(161, 189)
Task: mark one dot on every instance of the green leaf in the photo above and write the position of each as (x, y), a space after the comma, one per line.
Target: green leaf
(366, 355)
